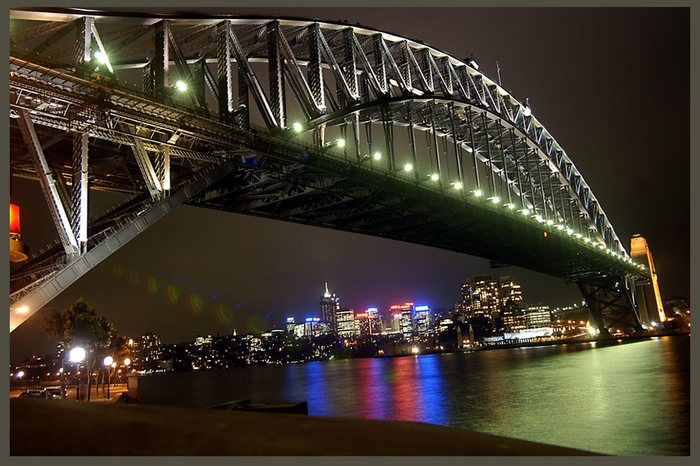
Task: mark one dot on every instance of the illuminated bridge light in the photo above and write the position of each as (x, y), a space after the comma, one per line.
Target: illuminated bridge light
(578, 235)
(457, 185)
(495, 199)
(527, 111)
(297, 127)
(539, 218)
(510, 206)
(478, 193)
(434, 177)
(550, 222)
(587, 240)
(340, 142)
(560, 226)
(408, 167)
(180, 85)
(525, 212)
(377, 156)
(569, 231)
(101, 57)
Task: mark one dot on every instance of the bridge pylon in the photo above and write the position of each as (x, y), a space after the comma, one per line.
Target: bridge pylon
(610, 302)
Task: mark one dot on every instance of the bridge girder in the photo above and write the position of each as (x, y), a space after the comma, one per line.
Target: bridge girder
(465, 134)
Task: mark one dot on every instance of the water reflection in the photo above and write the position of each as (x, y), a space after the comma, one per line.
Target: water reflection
(621, 399)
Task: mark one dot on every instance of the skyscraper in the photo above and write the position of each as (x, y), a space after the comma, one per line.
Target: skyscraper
(509, 291)
(480, 296)
(330, 304)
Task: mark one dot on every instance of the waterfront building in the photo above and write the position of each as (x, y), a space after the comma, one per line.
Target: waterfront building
(290, 324)
(537, 317)
(345, 323)
(368, 322)
(330, 304)
(513, 319)
(422, 320)
(394, 325)
(406, 323)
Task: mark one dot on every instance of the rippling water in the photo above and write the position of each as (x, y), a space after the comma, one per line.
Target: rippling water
(625, 399)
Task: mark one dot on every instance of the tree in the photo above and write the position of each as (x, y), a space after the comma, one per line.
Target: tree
(79, 325)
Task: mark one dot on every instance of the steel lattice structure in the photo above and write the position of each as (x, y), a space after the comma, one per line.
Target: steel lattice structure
(329, 124)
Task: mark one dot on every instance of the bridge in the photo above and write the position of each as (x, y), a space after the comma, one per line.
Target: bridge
(329, 124)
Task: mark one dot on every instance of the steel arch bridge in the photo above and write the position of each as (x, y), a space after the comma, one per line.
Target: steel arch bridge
(329, 124)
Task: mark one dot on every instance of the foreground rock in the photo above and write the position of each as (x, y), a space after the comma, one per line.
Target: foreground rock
(54, 427)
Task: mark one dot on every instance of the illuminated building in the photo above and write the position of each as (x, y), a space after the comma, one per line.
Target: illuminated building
(394, 323)
(422, 320)
(510, 292)
(330, 305)
(513, 319)
(369, 322)
(290, 324)
(150, 350)
(406, 324)
(480, 296)
(648, 295)
(345, 323)
(537, 317)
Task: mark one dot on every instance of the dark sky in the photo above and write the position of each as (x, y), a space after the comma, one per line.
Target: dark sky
(611, 85)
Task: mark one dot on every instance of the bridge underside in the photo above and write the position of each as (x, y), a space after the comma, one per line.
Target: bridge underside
(488, 180)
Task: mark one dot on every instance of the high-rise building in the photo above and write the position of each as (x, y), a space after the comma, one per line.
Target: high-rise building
(406, 324)
(369, 322)
(345, 323)
(537, 316)
(150, 350)
(513, 319)
(480, 296)
(330, 304)
(290, 324)
(422, 320)
(509, 291)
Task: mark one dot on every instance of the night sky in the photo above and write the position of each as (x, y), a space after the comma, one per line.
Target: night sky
(611, 85)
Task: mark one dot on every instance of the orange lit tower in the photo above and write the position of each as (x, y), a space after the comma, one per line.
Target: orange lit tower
(648, 295)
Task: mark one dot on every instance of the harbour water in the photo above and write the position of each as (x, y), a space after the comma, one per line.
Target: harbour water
(620, 399)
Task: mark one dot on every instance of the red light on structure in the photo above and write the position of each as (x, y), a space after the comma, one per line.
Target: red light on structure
(14, 219)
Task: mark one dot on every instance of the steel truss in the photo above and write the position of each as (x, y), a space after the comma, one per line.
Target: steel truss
(311, 84)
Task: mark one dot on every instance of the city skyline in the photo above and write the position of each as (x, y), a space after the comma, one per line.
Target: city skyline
(269, 257)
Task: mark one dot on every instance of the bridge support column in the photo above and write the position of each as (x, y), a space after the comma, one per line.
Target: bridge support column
(610, 302)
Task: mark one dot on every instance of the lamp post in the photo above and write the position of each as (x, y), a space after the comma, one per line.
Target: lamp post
(77, 355)
(108, 364)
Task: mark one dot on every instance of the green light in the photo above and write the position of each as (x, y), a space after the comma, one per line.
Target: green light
(478, 193)
(408, 167)
(101, 57)
(340, 142)
(457, 185)
(377, 156)
(434, 177)
(297, 127)
(180, 85)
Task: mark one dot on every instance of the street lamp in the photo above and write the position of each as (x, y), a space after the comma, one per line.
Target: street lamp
(77, 355)
(108, 361)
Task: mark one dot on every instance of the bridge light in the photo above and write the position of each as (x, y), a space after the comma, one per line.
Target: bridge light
(560, 226)
(478, 193)
(457, 185)
(525, 211)
(297, 127)
(22, 310)
(474, 64)
(180, 85)
(539, 218)
(340, 142)
(377, 156)
(587, 240)
(101, 57)
(569, 231)
(550, 222)
(495, 199)
(434, 177)
(527, 111)
(578, 235)
(408, 167)
(510, 206)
